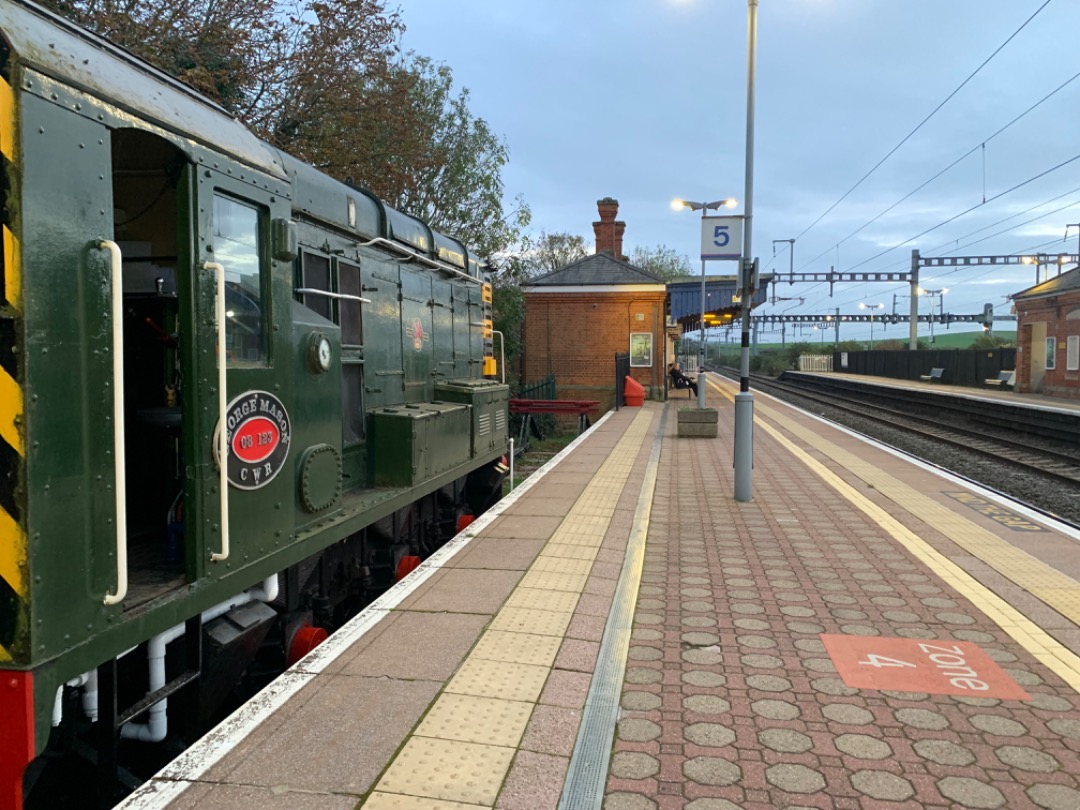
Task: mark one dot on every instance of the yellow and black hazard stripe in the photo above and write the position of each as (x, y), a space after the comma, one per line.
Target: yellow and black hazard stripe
(14, 586)
(491, 367)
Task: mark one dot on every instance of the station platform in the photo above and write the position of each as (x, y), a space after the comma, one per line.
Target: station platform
(866, 633)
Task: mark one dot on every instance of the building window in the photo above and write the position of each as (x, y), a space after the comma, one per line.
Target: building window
(1051, 351)
(1072, 353)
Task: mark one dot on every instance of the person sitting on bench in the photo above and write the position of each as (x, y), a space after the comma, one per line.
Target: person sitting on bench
(680, 380)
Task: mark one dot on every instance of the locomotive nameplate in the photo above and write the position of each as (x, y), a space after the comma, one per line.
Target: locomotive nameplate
(259, 435)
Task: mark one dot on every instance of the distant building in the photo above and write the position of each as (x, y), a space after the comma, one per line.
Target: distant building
(578, 317)
(1048, 336)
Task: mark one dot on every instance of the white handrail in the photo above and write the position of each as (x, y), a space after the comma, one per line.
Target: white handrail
(223, 427)
(119, 452)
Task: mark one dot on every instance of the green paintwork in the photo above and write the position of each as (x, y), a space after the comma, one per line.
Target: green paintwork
(489, 401)
(416, 441)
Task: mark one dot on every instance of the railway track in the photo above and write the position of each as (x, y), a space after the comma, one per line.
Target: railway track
(1021, 455)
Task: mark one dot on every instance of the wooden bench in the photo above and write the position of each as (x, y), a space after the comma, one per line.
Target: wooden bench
(935, 375)
(575, 407)
(1004, 379)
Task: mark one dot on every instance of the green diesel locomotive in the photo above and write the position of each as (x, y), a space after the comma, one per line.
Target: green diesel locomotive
(238, 399)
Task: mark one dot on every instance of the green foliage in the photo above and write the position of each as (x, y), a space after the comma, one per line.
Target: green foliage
(549, 252)
(508, 315)
(991, 341)
(661, 261)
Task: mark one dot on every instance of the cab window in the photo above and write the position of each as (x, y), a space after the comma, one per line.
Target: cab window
(237, 237)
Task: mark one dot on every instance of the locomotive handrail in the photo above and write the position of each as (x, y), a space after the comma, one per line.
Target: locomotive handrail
(119, 451)
(223, 427)
(341, 296)
(380, 240)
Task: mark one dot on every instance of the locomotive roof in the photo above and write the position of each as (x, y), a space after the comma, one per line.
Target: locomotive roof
(55, 47)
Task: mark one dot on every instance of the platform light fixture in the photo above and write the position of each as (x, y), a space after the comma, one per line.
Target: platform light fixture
(704, 207)
(871, 307)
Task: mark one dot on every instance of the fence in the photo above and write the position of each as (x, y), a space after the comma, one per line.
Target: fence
(970, 367)
(815, 362)
(545, 389)
(622, 371)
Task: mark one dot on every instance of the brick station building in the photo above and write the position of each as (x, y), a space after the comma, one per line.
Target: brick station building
(1048, 336)
(579, 316)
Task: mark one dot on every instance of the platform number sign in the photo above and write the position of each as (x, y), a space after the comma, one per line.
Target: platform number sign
(721, 238)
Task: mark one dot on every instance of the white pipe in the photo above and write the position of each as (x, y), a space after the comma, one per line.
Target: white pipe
(119, 452)
(223, 443)
(157, 726)
(511, 465)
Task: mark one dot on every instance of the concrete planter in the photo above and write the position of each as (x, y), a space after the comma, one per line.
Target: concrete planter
(698, 423)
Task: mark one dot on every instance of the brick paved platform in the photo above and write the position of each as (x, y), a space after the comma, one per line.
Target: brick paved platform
(470, 690)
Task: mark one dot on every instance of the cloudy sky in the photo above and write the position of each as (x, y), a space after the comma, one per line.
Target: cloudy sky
(645, 100)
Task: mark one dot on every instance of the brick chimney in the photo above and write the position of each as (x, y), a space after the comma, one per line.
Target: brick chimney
(609, 231)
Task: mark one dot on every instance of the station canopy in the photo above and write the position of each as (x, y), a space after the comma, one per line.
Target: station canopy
(721, 299)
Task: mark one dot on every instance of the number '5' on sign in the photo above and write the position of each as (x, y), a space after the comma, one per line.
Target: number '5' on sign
(721, 237)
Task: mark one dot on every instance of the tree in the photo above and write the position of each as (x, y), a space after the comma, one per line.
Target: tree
(661, 261)
(551, 251)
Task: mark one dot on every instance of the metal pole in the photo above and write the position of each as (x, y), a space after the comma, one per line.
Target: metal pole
(701, 347)
(913, 309)
(744, 400)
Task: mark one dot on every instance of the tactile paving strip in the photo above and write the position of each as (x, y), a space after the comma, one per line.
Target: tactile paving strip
(448, 769)
(396, 801)
(570, 552)
(524, 620)
(499, 679)
(536, 599)
(518, 648)
(476, 719)
(561, 565)
(554, 582)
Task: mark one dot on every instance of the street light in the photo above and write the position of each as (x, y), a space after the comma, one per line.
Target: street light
(871, 307)
(941, 298)
(704, 208)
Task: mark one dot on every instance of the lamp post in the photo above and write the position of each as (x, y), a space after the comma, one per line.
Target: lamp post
(744, 400)
(941, 298)
(704, 208)
(871, 307)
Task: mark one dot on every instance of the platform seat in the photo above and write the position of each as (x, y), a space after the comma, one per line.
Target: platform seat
(935, 375)
(1004, 379)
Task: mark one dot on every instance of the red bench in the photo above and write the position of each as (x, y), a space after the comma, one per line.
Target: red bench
(573, 407)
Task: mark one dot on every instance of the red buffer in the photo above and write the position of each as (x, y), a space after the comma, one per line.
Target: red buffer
(17, 739)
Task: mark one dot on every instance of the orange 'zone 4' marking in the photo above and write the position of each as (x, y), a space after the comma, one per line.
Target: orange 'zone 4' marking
(914, 665)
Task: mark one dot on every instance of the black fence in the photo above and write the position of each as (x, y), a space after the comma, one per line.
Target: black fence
(622, 371)
(970, 367)
(545, 389)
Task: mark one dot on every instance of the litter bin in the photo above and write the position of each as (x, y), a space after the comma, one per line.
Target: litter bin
(634, 393)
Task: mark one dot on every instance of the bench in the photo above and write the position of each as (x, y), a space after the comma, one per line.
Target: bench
(935, 375)
(574, 407)
(1004, 379)
(681, 383)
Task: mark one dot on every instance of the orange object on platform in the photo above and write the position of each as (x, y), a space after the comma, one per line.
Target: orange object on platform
(634, 393)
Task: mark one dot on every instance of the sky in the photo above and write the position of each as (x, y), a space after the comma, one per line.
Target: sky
(646, 101)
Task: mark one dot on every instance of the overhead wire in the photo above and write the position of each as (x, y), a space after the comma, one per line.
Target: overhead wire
(933, 112)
